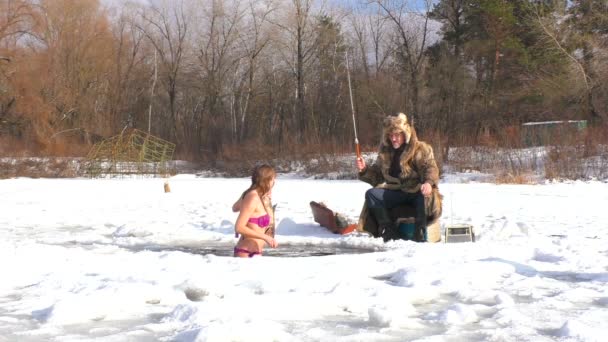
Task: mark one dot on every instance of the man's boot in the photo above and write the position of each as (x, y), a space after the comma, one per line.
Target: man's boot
(386, 226)
(420, 220)
(420, 233)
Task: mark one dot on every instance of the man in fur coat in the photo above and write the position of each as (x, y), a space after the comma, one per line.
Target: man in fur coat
(405, 172)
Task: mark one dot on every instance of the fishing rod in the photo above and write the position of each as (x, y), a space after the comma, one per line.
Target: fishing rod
(352, 107)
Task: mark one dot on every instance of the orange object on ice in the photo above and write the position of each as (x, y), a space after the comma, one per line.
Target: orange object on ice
(330, 220)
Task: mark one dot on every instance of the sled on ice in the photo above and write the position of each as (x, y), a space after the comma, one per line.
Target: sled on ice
(335, 222)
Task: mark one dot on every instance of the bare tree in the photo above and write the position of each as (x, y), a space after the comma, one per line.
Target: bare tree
(300, 44)
(76, 42)
(217, 59)
(370, 29)
(166, 27)
(253, 38)
(17, 20)
(411, 28)
(362, 38)
(129, 59)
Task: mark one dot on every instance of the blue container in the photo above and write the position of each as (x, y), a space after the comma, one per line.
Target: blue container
(408, 231)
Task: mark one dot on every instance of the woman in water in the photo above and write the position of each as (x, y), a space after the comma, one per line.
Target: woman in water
(255, 222)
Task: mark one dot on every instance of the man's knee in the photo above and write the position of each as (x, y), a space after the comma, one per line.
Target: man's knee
(371, 197)
(419, 199)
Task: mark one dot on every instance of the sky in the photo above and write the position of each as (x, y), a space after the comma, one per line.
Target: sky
(417, 4)
(414, 4)
(121, 260)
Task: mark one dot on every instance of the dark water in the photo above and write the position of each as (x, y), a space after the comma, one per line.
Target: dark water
(284, 250)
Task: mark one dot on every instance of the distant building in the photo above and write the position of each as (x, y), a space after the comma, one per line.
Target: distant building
(552, 132)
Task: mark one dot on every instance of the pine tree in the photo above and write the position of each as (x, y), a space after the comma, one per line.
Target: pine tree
(589, 18)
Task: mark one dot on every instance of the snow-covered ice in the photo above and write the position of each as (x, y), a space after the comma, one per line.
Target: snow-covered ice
(120, 260)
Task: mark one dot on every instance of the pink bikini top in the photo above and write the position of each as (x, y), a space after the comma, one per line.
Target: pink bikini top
(262, 221)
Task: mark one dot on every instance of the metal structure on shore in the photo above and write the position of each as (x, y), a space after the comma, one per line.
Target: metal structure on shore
(133, 152)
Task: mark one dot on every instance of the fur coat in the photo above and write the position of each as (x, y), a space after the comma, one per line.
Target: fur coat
(417, 167)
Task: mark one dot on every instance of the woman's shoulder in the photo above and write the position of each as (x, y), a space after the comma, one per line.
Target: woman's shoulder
(252, 195)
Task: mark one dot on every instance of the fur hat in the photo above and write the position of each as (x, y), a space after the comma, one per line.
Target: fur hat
(396, 123)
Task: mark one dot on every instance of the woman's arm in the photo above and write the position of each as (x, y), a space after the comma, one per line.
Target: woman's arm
(247, 207)
(236, 207)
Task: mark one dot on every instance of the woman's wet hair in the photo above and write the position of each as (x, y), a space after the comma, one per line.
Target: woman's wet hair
(261, 179)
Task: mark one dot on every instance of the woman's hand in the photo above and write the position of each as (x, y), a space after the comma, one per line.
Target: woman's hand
(271, 241)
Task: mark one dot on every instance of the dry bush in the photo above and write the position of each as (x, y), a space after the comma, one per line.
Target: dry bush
(568, 154)
(20, 147)
(28, 168)
(6, 170)
(34, 146)
(564, 162)
(508, 178)
(62, 168)
(477, 158)
(39, 167)
(465, 138)
(486, 139)
(240, 159)
(508, 165)
(288, 156)
(594, 139)
(67, 148)
(8, 146)
(596, 151)
(509, 136)
(328, 159)
(330, 166)
(579, 156)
